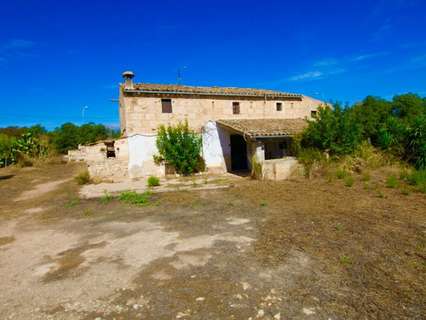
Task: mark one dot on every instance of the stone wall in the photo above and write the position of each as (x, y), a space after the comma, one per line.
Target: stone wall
(99, 165)
(279, 169)
(144, 114)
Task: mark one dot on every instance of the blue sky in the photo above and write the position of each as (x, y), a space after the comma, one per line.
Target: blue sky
(58, 56)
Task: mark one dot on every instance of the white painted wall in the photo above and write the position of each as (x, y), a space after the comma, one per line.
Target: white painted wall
(216, 147)
(142, 148)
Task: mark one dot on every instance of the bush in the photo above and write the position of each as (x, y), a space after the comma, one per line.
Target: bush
(309, 158)
(349, 181)
(132, 197)
(335, 131)
(83, 177)
(417, 178)
(153, 181)
(392, 182)
(416, 143)
(180, 147)
(7, 152)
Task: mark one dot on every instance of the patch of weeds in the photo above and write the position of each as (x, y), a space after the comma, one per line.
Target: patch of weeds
(338, 227)
(72, 203)
(345, 260)
(106, 198)
(380, 194)
(392, 182)
(349, 181)
(263, 204)
(341, 174)
(88, 212)
(153, 181)
(365, 176)
(132, 197)
(83, 177)
(366, 185)
(417, 178)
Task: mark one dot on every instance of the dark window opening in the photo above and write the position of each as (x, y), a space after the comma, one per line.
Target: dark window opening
(166, 105)
(313, 114)
(235, 107)
(110, 150)
(279, 106)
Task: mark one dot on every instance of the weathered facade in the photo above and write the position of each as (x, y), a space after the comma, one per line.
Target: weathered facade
(237, 125)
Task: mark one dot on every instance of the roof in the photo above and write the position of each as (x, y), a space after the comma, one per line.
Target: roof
(256, 128)
(149, 88)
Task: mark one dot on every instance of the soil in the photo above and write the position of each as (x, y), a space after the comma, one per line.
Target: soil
(297, 249)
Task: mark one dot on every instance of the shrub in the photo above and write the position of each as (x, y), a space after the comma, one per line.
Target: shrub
(180, 147)
(153, 181)
(83, 177)
(416, 143)
(349, 181)
(132, 197)
(7, 152)
(335, 130)
(309, 158)
(392, 182)
(417, 178)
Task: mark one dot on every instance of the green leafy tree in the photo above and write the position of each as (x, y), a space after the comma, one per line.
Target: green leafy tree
(180, 147)
(408, 106)
(66, 137)
(69, 136)
(371, 113)
(335, 130)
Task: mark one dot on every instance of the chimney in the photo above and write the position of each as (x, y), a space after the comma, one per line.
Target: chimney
(128, 79)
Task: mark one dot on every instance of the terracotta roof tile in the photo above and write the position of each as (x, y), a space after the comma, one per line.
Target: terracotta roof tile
(265, 127)
(225, 91)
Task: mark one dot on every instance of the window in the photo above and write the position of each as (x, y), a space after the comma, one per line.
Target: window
(166, 105)
(313, 113)
(279, 106)
(235, 107)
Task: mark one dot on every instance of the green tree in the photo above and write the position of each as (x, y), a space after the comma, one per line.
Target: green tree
(335, 130)
(66, 137)
(180, 147)
(408, 106)
(371, 113)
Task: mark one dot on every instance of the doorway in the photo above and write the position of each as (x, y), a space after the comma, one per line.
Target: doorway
(238, 153)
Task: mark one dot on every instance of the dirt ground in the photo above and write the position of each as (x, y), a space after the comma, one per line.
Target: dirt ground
(299, 249)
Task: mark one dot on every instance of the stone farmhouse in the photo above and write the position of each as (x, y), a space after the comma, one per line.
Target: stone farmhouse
(236, 125)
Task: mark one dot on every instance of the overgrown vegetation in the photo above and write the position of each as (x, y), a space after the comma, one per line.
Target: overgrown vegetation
(153, 181)
(83, 177)
(132, 197)
(368, 135)
(179, 147)
(397, 127)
